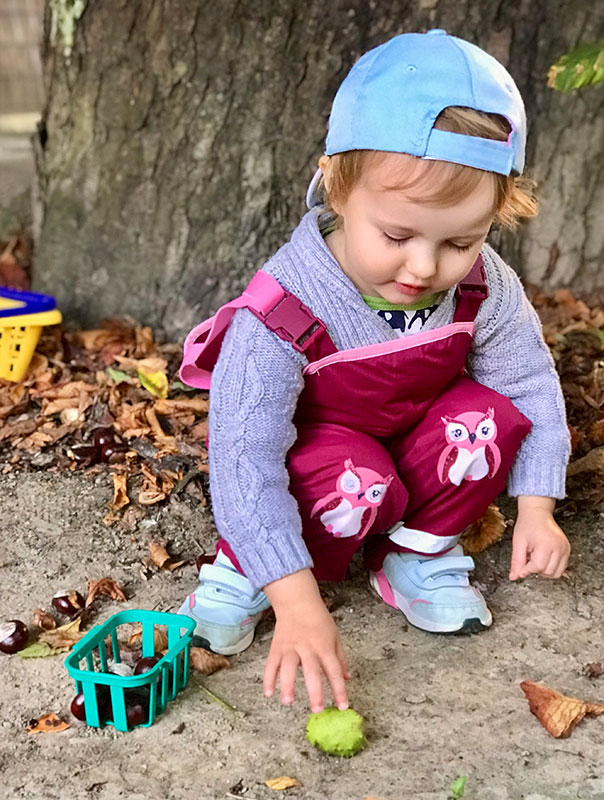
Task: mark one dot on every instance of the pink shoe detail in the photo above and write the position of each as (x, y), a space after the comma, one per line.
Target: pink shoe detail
(191, 601)
(385, 589)
(419, 600)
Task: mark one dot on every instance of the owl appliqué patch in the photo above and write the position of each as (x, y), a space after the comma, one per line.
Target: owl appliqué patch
(471, 453)
(352, 508)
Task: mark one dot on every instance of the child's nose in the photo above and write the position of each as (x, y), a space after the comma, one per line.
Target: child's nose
(422, 263)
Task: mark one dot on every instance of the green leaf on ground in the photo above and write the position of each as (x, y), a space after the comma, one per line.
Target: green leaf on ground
(179, 386)
(41, 650)
(117, 376)
(458, 788)
(583, 66)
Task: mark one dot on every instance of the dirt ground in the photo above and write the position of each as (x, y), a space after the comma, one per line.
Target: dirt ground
(435, 707)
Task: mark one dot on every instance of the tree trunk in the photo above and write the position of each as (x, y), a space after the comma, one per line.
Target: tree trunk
(179, 136)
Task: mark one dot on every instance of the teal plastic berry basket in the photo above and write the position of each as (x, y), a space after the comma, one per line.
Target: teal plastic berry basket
(107, 696)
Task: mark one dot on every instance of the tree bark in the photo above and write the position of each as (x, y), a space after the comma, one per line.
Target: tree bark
(179, 137)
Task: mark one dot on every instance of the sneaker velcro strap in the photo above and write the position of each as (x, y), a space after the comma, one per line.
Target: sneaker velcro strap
(445, 565)
(226, 579)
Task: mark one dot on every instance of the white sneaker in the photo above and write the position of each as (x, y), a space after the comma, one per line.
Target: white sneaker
(225, 606)
(433, 592)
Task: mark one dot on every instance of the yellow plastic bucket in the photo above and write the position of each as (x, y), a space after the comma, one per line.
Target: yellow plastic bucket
(19, 336)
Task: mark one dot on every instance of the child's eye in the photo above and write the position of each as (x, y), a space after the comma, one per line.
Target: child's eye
(461, 248)
(396, 242)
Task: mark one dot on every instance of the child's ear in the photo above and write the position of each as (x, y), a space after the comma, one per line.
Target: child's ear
(324, 165)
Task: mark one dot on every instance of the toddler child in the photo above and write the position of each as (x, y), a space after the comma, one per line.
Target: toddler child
(383, 376)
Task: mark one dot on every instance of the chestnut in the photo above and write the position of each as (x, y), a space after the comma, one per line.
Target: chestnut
(102, 436)
(146, 665)
(137, 706)
(13, 636)
(113, 452)
(84, 454)
(68, 603)
(102, 699)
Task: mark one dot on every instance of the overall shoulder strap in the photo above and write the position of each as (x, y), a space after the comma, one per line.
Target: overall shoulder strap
(470, 293)
(277, 308)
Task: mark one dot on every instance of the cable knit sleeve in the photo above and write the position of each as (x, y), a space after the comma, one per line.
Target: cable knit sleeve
(511, 356)
(255, 388)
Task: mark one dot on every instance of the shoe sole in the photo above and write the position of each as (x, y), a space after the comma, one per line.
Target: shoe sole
(470, 625)
(230, 649)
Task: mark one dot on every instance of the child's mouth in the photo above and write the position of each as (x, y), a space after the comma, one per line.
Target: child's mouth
(409, 288)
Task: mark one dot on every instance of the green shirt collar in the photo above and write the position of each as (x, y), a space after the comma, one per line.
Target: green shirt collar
(379, 304)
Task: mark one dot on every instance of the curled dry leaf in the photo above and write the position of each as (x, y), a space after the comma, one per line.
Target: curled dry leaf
(204, 661)
(282, 783)
(558, 714)
(484, 532)
(47, 723)
(161, 558)
(107, 587)
(120, 492)
(160, 639)
(42, 619)
(65, 636)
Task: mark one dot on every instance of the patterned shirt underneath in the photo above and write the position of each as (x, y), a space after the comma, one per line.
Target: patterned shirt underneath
(407, 320)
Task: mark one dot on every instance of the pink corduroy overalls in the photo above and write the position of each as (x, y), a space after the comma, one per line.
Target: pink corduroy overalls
(397, 446)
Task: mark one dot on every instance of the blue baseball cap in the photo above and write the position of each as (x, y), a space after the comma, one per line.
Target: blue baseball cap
(393, 94)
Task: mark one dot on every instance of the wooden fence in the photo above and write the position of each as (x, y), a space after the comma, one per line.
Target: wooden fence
(20, 72)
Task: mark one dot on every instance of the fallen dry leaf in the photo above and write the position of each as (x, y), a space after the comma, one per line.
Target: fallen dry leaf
(484, 532)
(47, 723)
(42, 619)
(594, 670)
(208, 663)
(107, 587)
(159, 554)
(120, 492)
(558, 714)
(161, 558)
(160, 639)
(592, 462)
(282, 783)
(65, 636)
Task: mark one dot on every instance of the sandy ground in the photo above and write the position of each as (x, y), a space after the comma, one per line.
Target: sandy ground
(435, 707)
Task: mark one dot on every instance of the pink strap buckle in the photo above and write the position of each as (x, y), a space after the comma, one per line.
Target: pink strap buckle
(292, 321)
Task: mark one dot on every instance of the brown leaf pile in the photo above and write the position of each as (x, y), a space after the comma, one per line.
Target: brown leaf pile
(114, 377)
(558, 714)
(574, 330)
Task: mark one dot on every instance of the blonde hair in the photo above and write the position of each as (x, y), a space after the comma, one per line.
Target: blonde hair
(439, 183)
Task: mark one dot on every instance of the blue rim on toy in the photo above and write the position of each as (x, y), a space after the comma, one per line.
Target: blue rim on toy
(33, 302)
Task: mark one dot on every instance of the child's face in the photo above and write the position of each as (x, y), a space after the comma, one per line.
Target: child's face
(401, 250)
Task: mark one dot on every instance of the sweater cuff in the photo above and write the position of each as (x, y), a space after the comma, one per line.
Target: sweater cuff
(545, 479)
(276, 558)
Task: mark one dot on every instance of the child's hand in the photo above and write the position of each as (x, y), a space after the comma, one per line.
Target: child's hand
(305, 635)
(539, 545)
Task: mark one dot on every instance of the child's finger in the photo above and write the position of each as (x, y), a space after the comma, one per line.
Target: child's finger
(333, 672)
(313, 678)
(271, 669)
(552, 566)
(287, 677)
(518, 561)
(343, 661)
